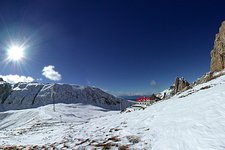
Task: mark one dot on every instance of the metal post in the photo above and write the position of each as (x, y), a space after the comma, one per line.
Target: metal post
(53, 96)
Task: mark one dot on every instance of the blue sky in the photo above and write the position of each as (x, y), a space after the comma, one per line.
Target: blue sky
(121, 46)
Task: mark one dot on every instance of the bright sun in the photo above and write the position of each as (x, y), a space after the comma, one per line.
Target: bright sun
(15, 53)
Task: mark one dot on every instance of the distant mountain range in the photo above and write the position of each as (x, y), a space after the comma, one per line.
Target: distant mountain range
(30, 95)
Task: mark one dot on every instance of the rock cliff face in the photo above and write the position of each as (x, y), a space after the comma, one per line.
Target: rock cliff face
(5, 90)
(180, 84)
(218, 52)
(29, 95)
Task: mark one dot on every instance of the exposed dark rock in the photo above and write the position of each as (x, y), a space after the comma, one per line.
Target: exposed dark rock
(207, 77)
(133, 139)
(5, 90)
(156, 98)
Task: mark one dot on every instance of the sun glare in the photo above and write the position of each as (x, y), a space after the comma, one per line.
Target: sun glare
(15, 53)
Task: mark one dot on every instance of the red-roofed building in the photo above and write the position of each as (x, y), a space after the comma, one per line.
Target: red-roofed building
(145, 100)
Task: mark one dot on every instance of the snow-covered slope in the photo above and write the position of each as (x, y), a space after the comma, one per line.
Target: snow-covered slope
(165, 94)
(42, 125)
(192, 120)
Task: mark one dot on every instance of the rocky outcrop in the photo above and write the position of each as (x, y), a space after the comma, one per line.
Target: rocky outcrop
(180, 85)
(218, 52)
(5, 90)
(30, 95)
(155, 97)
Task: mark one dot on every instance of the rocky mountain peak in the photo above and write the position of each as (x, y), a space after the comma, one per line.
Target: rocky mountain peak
(218, 51)
(180, 84)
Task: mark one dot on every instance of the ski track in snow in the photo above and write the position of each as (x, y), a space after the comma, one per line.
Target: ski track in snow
(192, 120)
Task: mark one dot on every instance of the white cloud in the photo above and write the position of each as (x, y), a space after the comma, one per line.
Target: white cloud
(153, 83)
(50, 73)
(16, 78)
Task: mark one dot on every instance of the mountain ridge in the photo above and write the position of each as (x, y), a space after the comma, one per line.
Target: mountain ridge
(29, 95)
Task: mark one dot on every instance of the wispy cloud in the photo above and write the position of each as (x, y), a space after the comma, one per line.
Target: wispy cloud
(13, 79)
(50, 73)
(153, 83)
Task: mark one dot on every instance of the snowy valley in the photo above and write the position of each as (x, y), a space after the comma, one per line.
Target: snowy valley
(193, 119)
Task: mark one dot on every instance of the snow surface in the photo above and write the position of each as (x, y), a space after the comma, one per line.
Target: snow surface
(192, 120)
(42, 125)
